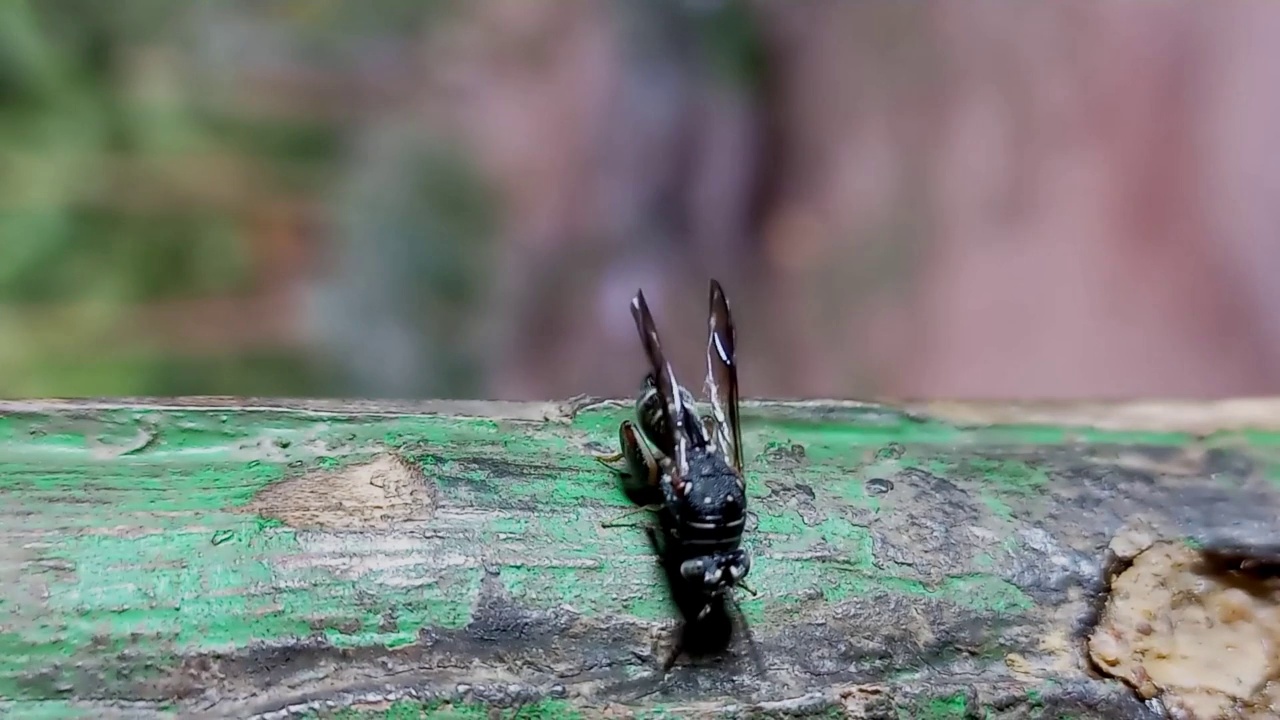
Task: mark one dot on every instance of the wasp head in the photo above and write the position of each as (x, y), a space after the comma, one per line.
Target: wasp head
(714, 574)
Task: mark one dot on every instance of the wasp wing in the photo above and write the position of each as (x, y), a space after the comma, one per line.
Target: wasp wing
(722, 375)
(673, 411)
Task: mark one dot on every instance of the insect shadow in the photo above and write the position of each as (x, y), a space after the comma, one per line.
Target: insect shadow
(706, 628)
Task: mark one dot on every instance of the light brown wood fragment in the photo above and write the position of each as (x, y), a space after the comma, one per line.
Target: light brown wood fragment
(1206, 643)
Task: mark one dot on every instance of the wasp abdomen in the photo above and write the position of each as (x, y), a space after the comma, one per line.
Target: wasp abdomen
(710, 537)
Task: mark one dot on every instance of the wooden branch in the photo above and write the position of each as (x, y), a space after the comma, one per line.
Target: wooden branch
(238, 558)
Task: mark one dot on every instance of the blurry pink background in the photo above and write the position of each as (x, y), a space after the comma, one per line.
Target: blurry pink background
(995, 199)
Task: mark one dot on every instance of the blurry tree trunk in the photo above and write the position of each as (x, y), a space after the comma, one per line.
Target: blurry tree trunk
(1073, 254)
(1073, 239)
(622, 165)
(1042, 200)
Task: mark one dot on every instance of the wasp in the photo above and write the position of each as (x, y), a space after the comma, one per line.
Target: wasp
(688, 467)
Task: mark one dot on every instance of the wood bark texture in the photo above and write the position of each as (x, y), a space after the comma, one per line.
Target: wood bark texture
(250, 558)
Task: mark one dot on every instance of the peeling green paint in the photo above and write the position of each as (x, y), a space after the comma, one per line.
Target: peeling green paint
(45, 710)
(947, 707)
(439, 710)
(141, 542)
(1014, 475)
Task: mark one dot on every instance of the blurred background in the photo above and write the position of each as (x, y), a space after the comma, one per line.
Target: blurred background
(415, 198)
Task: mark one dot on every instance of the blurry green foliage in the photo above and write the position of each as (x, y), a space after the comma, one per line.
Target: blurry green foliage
(300, 152)
(730, 40)
(104, 203)
(140, 373)
(111, 257)
(75, 122)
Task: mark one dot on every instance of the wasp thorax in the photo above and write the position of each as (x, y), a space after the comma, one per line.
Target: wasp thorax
(732, 505)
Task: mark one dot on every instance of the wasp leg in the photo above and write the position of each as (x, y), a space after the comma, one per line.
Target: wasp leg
(641, 480)
(629, 513)
(677, 649)
(608, 460)
(654, 541)
(640, 460)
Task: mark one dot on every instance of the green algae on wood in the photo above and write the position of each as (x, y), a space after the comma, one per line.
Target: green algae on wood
(228, 559)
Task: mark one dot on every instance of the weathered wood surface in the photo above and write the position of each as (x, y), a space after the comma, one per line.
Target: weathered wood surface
(232, 558)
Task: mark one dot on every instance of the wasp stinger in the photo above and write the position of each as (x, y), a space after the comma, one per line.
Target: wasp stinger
(687, 467)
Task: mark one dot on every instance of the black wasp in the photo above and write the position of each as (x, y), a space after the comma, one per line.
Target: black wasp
(687, 467)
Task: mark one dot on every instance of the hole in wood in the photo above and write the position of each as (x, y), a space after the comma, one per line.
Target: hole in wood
(1197, 631)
